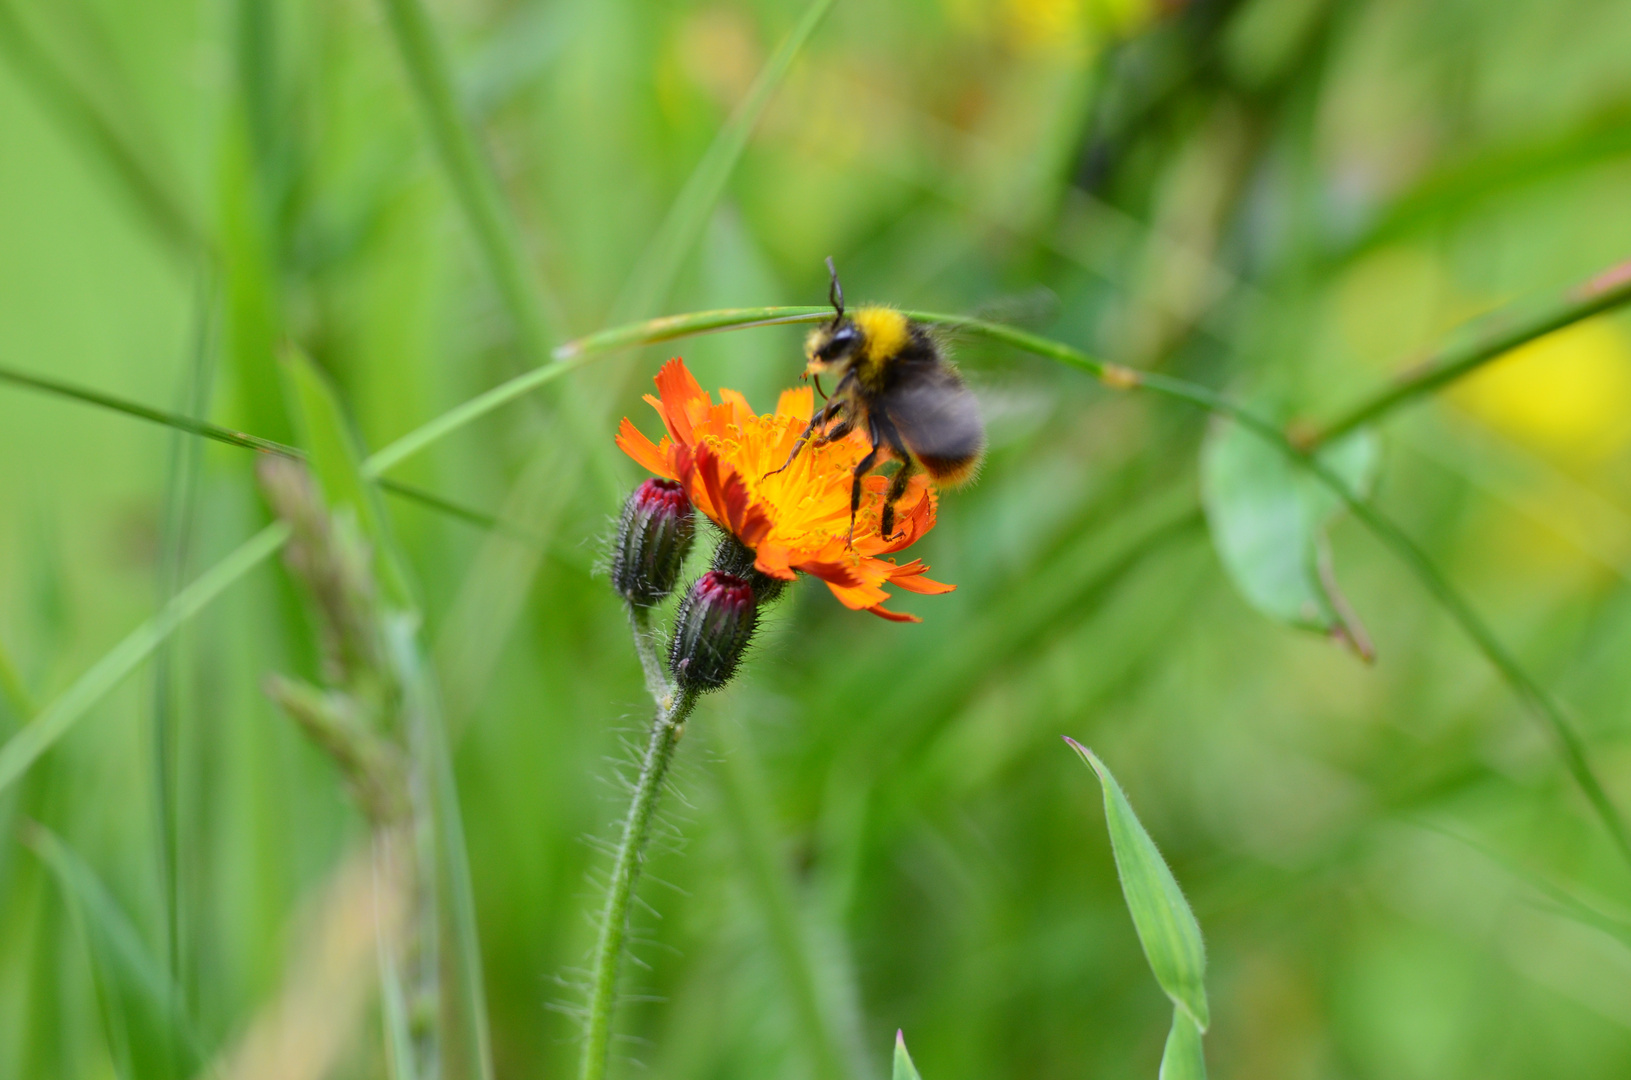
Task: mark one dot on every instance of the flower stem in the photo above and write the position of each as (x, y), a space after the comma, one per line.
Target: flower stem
(645, 644)
(631, 853)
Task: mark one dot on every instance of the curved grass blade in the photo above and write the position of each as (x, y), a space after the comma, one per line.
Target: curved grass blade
(1166, 927)
(904, 1069)
(654, 277)
(1183, 1058)
(147, 1027)
(57, 718)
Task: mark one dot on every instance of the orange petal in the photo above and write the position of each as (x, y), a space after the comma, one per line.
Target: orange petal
(798, 403)
(910, 577)
(633, 442)
(836, 575)
(893, 616)
(772, 559)
(680, 394)
(740, 411)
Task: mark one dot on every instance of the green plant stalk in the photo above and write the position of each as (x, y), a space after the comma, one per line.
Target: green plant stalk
(645, 646)
(474, 184)
(631, 852)
(1505, 332)
(229, 437)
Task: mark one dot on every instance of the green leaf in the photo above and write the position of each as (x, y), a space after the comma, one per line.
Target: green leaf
(336, 459)
(904, 1069)
(1166, 927)
(1183, 1058)
(1268, 519)
(147, 1029)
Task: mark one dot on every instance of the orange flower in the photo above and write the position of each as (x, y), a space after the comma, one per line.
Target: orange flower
(797, 519)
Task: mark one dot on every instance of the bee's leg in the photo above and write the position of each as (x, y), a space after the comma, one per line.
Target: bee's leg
(903, 476)
(862, 467)
(821, 417)
(836, 432)
(897, 488)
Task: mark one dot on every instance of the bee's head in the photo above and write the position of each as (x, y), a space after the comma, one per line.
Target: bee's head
(834, 343)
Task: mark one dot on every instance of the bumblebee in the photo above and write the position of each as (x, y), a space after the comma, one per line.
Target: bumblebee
(896, 385)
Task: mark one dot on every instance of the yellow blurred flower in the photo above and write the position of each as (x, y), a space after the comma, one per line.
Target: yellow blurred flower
(1568, 393)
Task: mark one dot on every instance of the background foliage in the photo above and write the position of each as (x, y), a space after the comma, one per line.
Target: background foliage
(1290, 199)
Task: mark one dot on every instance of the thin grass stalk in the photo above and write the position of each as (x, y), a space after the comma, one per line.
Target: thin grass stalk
(653, 279)
(1604, 292)
(181, 502)
(54, 721)
(631, 853)
(229, 437)
(475, 184)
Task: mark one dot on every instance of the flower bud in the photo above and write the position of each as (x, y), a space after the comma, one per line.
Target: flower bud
(734, 558)
(711, 630)
(653, 538)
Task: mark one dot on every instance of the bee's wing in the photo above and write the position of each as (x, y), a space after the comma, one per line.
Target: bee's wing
(937, 416)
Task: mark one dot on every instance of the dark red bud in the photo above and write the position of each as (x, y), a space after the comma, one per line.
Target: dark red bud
(653, 537)
(711, 630)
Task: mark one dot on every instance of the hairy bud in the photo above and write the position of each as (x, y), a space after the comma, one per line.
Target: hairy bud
(653, 537)
(732, 557)
(714, 624)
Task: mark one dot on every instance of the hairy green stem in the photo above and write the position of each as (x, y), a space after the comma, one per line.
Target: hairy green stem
(631, 853)
(645, 646)
(1499, 335)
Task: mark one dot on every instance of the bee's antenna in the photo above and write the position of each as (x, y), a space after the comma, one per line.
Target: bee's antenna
(835, 295)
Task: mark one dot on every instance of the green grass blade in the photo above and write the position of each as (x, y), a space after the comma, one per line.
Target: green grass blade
(474, 183)
(336, 460)
(457, 417)
(147, 1026)
(654, 277)
(1183, 1058)
(904, 1069)
(1166, 927)
(57, 718)
(469, 1012)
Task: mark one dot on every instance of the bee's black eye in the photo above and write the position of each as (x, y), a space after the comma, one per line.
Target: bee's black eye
(843, 340)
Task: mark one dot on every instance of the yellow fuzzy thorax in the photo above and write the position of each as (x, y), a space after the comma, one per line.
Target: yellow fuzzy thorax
(884, 331)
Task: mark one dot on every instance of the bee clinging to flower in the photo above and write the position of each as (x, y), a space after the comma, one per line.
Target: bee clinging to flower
(896, 386)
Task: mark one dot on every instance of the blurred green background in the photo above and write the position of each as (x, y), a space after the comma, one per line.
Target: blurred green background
(1290, 199)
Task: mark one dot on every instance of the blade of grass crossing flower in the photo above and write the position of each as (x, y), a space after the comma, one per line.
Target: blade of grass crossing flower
(146, 1026)
(1166, 927)
(652, 280)
(1183, 1057)
(904, 1069)
(336, 461)
(58, 717)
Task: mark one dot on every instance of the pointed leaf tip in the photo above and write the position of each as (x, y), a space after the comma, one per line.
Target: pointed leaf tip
(904, 1069)
(1165, 924)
